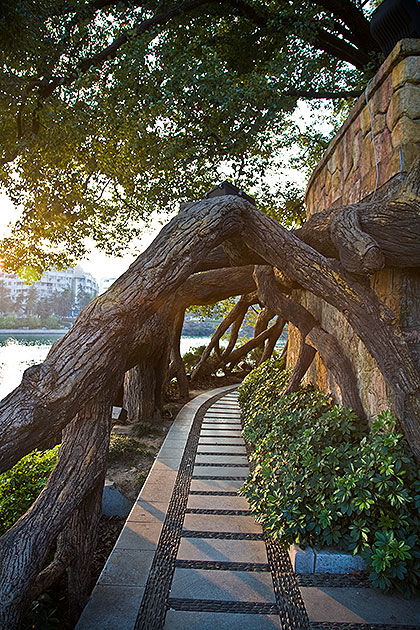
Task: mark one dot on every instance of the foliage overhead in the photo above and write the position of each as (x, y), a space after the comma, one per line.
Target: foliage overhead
(111, 110)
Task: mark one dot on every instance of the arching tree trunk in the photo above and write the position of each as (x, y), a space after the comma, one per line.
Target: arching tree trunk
(76, 385)
(270, 344)
(81, 534)
(255, 342)
(312, 338)
(140, 392)
(79, 471)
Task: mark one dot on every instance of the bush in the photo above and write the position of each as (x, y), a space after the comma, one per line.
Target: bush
(322, 478)
(192, 357)
(123, 449)
(20, 486)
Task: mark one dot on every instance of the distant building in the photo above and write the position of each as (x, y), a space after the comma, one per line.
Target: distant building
(52, 281)
(105, 283)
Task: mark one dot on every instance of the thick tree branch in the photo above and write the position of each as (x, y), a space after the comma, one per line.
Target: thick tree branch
(109, 329)
(352, 16)
(372, 321)
(334, 358)
(48, 86)
(238, 311)
(253, 343)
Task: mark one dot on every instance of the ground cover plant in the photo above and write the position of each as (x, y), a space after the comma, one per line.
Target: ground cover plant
(322, 477)
(20, 486)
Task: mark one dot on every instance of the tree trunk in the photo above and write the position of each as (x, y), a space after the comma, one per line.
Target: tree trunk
(139, 392)
(311, 333)
(305, 357)
(81, 535)
(177, 368)
(255, 342)
(237, 313)
(105, 337)
(79, 470)
(370, 318)
(270, 344)
(75, 386)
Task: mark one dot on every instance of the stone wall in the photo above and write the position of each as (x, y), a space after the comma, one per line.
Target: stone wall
(347, 174)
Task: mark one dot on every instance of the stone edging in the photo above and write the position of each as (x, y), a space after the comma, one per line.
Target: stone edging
(326, 560)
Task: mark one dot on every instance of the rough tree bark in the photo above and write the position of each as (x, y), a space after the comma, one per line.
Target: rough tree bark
(312, 338)
(80, 468)
(256, 342)
(199, 289)
(177, 368)
(368, 235)
(104, 341)
(270, 344)
(370, 318)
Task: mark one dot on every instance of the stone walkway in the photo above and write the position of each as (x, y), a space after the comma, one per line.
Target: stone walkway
(192, 557)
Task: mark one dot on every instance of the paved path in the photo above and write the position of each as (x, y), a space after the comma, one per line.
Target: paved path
(192, 557)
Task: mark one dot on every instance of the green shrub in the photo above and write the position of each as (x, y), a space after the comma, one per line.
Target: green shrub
(41, 615)
(123, 449)
(20, 486)
(322, 478)
(192, 357)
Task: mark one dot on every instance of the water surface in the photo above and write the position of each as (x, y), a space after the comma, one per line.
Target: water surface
(19, 351)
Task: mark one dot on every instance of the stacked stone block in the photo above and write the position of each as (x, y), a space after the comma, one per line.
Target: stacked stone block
(347, 174)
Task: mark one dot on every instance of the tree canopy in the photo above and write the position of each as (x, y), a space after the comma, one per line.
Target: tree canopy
(113, 110)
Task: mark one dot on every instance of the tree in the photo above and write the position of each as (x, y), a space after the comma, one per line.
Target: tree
(113, 109)
(61, 302)
(83, 298)
(31, 300)
(216, 248)
(19, 303)
(6, 302)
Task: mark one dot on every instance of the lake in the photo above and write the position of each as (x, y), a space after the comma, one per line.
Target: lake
(19, 350)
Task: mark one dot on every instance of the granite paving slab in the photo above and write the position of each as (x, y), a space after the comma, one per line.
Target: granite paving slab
(221, 440)
(192, 556)
(222, 550)
(234, 449)
(217, 522)
(215, 485)
(222, 585)
(182, 620)
(202, 458)
(221, 471)
(360, 605)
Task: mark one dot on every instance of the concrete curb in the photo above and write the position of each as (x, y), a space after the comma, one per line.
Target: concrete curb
(327, 560)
